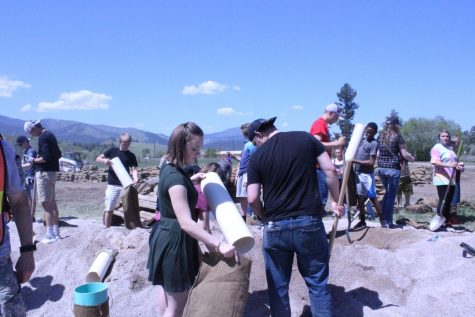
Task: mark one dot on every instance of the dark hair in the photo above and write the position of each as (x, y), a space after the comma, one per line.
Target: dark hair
(389, 129)
(182, 134)
(373, 126)
(214, 167)
(443, 131)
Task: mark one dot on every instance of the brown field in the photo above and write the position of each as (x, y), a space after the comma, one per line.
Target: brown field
(382, 273)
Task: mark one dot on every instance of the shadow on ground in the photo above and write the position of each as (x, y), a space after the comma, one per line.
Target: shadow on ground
(41, 290)
(352, 303)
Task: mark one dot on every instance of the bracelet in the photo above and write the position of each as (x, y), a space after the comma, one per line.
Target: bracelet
(27, 248)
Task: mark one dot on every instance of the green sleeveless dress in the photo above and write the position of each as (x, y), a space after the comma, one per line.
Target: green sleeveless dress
(173, 260)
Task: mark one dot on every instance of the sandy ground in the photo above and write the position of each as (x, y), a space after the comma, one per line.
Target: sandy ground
(384, 272)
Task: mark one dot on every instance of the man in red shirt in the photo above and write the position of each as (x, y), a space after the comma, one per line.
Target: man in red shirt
(319, 129)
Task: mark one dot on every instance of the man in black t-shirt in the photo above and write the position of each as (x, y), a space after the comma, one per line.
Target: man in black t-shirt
(114, 186)
(284, 165)
(47, 166)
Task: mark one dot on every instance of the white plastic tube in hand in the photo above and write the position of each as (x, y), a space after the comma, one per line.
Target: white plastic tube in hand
(121, 172)
(100, 265)
(355, 141)
(229, 219)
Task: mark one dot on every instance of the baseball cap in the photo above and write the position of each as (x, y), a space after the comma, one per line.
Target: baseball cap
(29, 125)
(258, 125)
(393, 121)
(333, 107)
(21, 139)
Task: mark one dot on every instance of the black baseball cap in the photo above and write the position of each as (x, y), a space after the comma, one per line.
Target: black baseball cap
(259, 125)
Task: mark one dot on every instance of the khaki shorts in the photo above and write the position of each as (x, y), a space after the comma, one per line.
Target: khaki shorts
(405, 186)
(45, 184)
(112, 197)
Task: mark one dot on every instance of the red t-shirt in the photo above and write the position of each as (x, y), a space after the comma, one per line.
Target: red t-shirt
(320, 128)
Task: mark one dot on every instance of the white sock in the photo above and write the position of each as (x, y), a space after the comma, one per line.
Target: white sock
(55, 230)
(49, 231)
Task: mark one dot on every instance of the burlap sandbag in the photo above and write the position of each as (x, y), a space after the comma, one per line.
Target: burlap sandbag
(130, 204)
(220, 289)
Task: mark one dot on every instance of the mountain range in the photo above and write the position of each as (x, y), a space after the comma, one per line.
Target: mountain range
(79, 132)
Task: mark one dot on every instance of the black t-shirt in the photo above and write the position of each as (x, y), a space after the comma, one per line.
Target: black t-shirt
(285, 166)
(127, 158)
(48, 149)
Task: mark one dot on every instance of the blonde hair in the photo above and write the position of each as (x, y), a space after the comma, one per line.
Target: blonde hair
(125, 137)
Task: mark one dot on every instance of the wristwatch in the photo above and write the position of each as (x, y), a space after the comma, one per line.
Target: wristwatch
(27, 248)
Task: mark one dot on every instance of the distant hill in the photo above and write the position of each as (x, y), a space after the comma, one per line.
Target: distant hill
(78, 132)
(74, 131)
(230, 139)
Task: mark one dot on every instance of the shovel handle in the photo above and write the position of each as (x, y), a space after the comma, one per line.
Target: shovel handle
(346, 174)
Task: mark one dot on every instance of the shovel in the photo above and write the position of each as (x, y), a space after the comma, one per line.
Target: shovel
(438, 220)
(356, 137)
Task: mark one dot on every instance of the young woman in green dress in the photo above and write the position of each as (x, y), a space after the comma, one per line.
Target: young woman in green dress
(173, 260)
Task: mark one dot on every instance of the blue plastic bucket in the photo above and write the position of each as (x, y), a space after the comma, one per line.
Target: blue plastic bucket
(91, 294)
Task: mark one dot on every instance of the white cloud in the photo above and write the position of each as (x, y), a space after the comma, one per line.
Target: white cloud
(229, 111)
(76, 100)
(8, 86)
(297, 107)
(226, 111)
(25, 108)
(285, 124)
(207, 88)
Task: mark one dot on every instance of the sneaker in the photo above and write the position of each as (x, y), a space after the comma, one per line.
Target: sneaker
(360, 225)
(384, 224)
(49, 239)
(57, 237)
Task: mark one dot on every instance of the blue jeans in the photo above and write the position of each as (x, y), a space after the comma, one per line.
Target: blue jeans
(390, 179)
(306, 237)
(322, 186)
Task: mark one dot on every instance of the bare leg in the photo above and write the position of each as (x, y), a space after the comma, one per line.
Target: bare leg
(107, 219)
(377, 206)
(408, 200)
(361, 207)
(399, 200)
(243, 201)
(174, 304)
(48, 206)
(55, 212)
(162, 300)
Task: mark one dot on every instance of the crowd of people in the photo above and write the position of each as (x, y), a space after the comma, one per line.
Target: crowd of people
(283, 179)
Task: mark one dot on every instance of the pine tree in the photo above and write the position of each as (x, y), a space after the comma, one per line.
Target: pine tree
(346, 97)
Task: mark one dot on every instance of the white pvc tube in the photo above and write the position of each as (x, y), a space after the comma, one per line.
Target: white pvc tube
(121, 172)
(100, 265)
(229, 219)
(355, 140)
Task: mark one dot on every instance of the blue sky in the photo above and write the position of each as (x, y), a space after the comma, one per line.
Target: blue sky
(154, 64)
